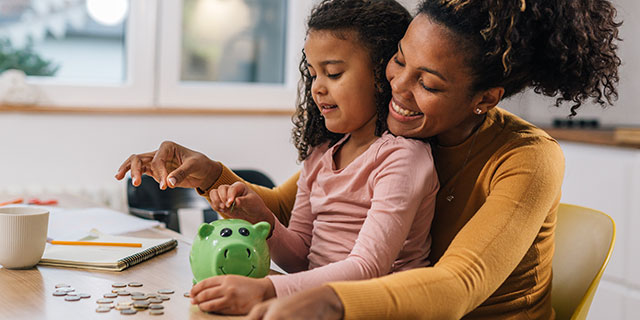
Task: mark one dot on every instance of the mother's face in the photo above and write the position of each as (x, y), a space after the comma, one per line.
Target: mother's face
(430, 85)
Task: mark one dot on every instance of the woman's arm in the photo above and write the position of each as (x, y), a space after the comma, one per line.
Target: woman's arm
(279, 199)
(524, 190)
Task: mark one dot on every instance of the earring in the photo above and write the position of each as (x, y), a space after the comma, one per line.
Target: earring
(478, 111)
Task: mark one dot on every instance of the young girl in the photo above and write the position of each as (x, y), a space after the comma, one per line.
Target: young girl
(365, 203)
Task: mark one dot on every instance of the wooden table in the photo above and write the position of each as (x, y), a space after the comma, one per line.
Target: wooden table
(27, 294)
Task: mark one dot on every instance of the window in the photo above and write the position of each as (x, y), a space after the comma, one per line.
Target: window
(231, 54)
(95, 54)
(196, 54)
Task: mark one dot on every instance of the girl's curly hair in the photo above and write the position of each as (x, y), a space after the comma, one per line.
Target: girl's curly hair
(561, 48)
(379, 25)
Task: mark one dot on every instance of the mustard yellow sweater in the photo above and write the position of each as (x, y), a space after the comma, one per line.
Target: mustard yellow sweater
(492, 243)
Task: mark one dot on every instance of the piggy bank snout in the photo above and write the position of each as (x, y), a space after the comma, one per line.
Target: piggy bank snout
(236, 251)
(236, 258)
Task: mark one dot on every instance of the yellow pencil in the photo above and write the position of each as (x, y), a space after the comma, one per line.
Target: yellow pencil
(95, 243)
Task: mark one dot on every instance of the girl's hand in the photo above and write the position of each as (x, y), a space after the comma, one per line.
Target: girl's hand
(231, 294)
(248, 205)
(172, 165)
(313, 304)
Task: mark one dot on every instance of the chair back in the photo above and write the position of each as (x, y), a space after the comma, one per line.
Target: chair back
(584, 241)
(148, 201)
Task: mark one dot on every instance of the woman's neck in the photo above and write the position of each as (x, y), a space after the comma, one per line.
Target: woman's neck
(460, 133)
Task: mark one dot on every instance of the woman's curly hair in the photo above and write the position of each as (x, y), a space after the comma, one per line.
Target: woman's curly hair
(561, 48)
(379, 26)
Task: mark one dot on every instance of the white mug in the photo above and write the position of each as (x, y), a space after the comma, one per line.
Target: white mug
(23, 236)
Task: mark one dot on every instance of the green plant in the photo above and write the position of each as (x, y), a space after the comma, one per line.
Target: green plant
(25, 59)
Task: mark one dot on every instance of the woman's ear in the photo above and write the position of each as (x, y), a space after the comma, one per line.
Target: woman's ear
(487, 100)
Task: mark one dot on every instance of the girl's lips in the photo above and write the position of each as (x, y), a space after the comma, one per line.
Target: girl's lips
(324, 109)
(394, 111)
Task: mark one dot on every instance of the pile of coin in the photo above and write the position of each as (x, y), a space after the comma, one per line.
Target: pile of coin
(139, 301)
(69, 294)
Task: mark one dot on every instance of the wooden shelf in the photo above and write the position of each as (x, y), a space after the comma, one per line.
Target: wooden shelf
(608, 137)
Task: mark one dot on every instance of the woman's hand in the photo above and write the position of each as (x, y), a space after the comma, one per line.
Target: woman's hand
(248, 205)
(231, 294)
(313, 304)
(172, 165)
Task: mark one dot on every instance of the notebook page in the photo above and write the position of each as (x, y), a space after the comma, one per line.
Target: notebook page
(99, 254)
(73, 224)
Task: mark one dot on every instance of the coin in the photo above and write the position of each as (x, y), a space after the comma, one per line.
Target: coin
(115, 290)
(165, 291)
(84, 295)
(59, 293)
(123, 293)
(152, 295)
(156, 307)
(121, 307)
(156, 312)
(62, 285)
(138, 293)
(71, 298)
(104, 301)
(135, 284)
(119, 285)
(141, 304)
(67, 289)
(187, 295)
(125, 303)
(103, 309)
(128, 311)
(165, 298)
(155, 300)
(110, 295)
(139, 298)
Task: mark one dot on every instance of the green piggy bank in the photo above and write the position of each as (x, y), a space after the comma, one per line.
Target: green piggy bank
(230, 246)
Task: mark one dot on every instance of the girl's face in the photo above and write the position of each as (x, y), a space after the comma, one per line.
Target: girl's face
(343, 84)
(430, 86)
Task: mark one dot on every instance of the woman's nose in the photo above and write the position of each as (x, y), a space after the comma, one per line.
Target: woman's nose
(399, 83)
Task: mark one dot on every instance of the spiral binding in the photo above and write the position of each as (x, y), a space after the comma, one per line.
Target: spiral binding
(147, 254)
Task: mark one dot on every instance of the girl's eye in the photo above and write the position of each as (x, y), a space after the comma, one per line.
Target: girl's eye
(334, 75)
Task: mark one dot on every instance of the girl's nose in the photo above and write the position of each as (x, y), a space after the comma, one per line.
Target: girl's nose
(318, 87)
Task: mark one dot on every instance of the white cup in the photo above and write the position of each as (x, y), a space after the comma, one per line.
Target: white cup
(23, 236)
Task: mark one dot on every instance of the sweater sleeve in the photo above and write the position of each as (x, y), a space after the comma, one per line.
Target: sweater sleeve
(524, 189)
(289, 246)
(279, 199)
(399, 189)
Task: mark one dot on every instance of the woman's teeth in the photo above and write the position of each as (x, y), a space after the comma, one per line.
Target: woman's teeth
(404, 112)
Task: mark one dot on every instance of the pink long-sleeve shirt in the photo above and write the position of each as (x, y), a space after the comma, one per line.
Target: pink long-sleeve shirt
(366, 220)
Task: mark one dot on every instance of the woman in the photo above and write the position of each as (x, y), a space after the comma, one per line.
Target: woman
(500, 177)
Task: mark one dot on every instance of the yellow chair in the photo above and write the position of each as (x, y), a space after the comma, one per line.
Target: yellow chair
(584, 241)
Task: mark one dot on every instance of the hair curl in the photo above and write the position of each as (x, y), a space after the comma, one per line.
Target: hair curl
(379, 25)
(561, 48)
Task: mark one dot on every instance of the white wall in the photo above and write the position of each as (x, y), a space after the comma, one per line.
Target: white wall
(69, 151)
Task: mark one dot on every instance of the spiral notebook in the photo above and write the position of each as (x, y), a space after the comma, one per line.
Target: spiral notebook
(104, 257)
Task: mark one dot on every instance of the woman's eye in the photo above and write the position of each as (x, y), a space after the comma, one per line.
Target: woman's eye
(427, 88)
(397, 61)
(334, 75)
